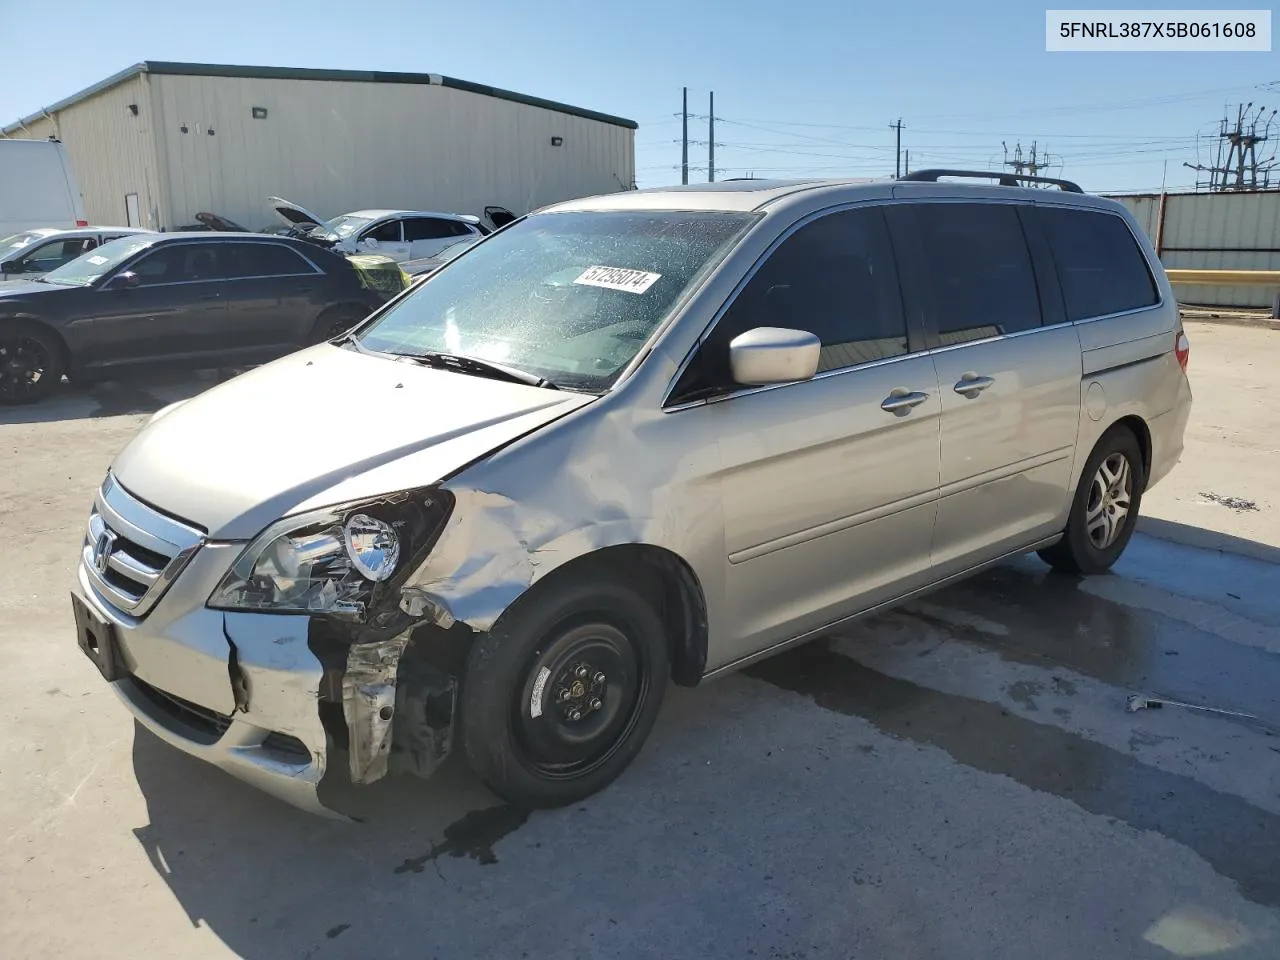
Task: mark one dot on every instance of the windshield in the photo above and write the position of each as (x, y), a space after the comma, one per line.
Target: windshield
(12, 245)
(344, 226)
(83, 270)
(571, 297)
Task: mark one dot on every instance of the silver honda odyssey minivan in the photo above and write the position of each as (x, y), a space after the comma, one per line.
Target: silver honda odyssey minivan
(629, 440)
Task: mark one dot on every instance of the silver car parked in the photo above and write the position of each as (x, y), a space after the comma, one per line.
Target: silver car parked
(628, 440)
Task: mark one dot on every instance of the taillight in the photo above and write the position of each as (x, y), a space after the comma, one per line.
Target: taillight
(82, 223)
(1182, 348)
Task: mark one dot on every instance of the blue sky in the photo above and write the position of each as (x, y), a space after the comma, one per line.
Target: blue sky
(806, 87)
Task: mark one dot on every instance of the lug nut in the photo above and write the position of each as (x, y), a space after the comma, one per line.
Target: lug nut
(595, 703)
(599, 678)
(562, 694)
(576, 715)
(580, 673)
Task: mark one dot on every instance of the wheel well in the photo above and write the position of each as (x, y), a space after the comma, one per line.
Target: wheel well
(53, 335)
(671, 586)
(1138, 427)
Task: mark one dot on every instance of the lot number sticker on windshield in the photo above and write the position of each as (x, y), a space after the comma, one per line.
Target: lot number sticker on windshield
(618, 278)
(97, 260)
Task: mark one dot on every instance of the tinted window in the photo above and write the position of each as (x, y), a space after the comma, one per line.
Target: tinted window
(432, 228)
(264, 260)
(1100, 266)
(184, 263)
(388, 232)
(979, 269)
(835, 278)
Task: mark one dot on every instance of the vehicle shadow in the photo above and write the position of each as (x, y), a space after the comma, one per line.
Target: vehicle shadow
(129, 396)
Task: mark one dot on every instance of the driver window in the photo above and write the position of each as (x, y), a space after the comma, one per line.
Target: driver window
(180, 263)
(834, 277)
(388, 232)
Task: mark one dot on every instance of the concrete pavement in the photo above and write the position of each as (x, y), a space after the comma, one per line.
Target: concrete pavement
(957, 779)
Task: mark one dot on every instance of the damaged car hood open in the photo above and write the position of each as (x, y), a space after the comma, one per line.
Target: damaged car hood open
(319, 427)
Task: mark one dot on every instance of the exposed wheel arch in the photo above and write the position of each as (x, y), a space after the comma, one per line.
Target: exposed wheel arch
(666, 579)
(1138, 427)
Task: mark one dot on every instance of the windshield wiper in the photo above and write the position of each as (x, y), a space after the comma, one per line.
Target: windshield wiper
(481, 368)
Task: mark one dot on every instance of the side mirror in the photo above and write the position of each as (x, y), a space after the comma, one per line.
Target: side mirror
(371, 243)
(124, 281)
(11, 266)
(773, 355)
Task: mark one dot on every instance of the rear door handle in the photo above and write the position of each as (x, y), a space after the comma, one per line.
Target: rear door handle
(900, 398)
(210, 296)
(970, 384)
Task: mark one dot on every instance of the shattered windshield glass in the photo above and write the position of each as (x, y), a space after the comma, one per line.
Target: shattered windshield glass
(571, 297)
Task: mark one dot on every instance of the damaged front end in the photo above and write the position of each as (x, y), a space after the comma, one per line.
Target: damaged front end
(390, 657)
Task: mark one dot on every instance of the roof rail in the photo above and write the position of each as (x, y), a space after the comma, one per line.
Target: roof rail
(1006, 179)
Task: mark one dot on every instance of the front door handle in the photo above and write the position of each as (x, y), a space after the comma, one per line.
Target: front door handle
(902, 399)
(970, 384)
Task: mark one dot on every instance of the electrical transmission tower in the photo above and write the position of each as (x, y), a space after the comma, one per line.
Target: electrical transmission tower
(1031, 164)
(1237, 164)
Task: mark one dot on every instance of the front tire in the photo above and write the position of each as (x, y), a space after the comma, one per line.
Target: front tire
(31, 363)
(1105, 509)
(559, 697)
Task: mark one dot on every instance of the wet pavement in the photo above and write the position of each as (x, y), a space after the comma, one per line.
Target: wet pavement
(955, 779)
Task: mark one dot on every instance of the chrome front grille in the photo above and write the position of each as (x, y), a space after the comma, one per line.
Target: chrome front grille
(132, 552)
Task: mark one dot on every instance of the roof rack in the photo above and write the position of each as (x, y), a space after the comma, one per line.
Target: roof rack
(1006, 179)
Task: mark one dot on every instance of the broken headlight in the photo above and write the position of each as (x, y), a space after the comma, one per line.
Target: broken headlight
(338, 560)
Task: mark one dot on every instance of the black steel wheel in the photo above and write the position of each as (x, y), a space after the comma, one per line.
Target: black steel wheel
(31, 363)
(559, 697)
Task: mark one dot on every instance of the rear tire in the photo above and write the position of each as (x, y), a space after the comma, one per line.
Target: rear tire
(334, 322)
(559, 697)
(1105, 509)
(31, 362)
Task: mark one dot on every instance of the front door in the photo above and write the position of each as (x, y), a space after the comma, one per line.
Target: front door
(829, 485)
(1010, 384)
(176, 311)
(386, 239)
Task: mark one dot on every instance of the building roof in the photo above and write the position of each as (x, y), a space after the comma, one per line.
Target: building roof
(161, 67)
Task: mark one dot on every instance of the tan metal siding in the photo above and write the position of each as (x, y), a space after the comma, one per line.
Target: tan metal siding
(110, 150)
(338, 146)
(1220, 231)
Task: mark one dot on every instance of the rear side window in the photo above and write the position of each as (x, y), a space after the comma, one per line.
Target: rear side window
(979, 270)
(265, 260)
(433, 228)
(1100, 265)
(833, 277)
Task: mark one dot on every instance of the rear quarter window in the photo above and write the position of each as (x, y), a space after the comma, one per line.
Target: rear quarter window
(1100, 266)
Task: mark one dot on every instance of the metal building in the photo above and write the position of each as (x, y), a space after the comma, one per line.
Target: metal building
(160, 142)
(1217, 231)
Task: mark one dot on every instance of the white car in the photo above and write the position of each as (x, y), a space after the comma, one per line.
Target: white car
(399, 234)
(38, 251)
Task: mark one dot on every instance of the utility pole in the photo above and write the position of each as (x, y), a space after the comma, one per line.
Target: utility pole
(711, 140)
(684, 140)
(897, 156)
(906, 163)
